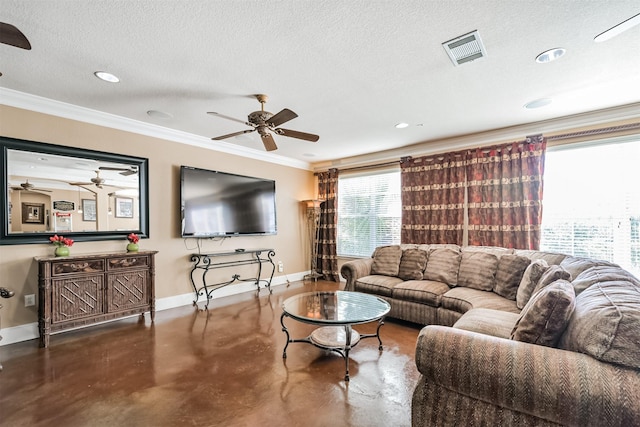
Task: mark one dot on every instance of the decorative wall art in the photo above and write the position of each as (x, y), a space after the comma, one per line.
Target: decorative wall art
(124, 207)
(32, 213)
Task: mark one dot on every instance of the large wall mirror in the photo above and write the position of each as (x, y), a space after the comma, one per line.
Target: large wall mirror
(83, 194)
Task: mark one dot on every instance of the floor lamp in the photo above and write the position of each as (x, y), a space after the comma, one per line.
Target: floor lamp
(312, 209)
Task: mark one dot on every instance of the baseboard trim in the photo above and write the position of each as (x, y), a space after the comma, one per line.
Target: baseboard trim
(29, 331)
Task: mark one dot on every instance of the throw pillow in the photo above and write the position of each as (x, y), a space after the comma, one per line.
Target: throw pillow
(443, 265)
(545, 317)
(412, 264)
(511, 268)
(606, 322)
(553, 273)
(386, 260)
(530, 278)
(477, 270)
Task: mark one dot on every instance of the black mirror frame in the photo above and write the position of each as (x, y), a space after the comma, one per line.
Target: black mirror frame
(6, 238)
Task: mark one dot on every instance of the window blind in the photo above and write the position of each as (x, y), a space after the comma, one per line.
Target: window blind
(369, 212)
(591, 203)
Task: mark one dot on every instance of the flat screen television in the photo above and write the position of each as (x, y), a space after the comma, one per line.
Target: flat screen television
(215, 204)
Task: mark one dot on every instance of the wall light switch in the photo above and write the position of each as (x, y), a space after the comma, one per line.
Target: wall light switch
(29, 300)
(280, 267)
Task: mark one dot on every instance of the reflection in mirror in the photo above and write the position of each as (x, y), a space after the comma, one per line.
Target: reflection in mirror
(52, 189)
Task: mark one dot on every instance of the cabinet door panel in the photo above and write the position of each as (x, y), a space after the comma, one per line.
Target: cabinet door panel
(127, 290)
(77, 297)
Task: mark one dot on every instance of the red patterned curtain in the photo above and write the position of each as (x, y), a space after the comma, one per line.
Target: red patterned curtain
(327, 247)
(433, 198)
(505, 194)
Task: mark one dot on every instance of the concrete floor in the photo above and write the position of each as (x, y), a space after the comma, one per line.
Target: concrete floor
(223, 367)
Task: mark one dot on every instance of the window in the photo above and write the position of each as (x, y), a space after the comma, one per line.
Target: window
(369, 212)
(591, 202)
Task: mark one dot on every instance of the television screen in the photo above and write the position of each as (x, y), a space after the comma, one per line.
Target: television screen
(222, 204)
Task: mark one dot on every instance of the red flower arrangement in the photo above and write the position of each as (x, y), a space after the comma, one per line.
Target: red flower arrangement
(133, 238)
(60, 241)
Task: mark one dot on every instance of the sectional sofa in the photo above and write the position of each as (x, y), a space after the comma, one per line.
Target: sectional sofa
(512, 337)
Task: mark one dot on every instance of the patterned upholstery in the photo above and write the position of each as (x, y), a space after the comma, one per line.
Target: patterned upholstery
(530, 278)
(510, 270)
(375, 284)
(423, 291)
(497, 382)
(443, 265)
(412, 264)
(386, 260)
(486, 321)
(477, 270)
(464, 299)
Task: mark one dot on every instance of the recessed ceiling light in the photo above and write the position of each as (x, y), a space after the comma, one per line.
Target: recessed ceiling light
(107, 77)
(550, 55)
(538, 103)
(617, 29)
(402, 125)
(309, 155)
(159, 114)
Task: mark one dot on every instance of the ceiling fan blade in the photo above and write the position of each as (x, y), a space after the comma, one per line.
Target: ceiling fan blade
(300, 135)
(220, 138)
(123, 171)
(269, 143)
(213, 113)
(12, 36)
(81, 183)
(282, 117)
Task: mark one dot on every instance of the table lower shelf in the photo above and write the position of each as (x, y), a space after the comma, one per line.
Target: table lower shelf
(331, 337)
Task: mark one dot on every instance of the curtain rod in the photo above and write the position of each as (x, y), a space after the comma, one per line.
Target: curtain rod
(559, 137)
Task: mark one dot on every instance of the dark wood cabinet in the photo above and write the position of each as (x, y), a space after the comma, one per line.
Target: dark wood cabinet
(82, 290)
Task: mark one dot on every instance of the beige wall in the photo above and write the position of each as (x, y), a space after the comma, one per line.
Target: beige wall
(19, 272)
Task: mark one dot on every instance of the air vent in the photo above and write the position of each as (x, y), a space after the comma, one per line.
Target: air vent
(465, 48)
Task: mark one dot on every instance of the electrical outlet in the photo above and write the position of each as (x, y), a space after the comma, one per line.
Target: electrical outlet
(280, 267)
(29, 300)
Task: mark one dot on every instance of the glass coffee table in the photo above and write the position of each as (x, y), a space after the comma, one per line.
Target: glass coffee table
(335, 312)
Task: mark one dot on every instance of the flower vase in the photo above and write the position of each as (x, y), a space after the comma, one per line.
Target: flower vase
(62, 251)
(132, 247)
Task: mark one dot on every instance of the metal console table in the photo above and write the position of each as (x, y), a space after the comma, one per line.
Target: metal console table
(217, 260)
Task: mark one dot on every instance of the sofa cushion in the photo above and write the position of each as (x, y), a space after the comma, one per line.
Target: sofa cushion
(601, 273)
(530, 278)
(553, 273)
(551, 258)
(545, 316)
(576, 265)
(495, 250)
(606, 323)
(386, 260)
(509, 274)
(379, 285)
(412, 264)
(443, 265)
(486, 321)
(461, 300)
(477, 270)
(423, 291)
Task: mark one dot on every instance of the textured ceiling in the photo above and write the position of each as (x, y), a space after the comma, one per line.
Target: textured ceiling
(350, 69)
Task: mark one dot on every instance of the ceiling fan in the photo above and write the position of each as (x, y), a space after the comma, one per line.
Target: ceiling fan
(123, 171)
(27, 186)
(97, 181)
(12, 36)
(265, 122)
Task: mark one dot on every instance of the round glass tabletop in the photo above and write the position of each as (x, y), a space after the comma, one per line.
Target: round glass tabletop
(335, 308)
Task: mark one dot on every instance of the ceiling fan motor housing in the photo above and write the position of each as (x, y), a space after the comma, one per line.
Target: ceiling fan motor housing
(259, 117)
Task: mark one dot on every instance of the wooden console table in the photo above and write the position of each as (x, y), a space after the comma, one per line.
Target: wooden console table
(217, 260)
(81, 290)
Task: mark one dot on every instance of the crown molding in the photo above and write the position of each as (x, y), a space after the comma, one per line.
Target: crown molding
(513, 133)
(13, 98)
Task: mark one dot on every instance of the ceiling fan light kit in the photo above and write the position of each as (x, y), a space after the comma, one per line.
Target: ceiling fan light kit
(266, 123)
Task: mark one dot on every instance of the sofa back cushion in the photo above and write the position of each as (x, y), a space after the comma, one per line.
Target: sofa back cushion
(606, 323)
(412, 264)
(509, 274)
(553, 273)
(477, 270)
(443, 265)
(386, 260)
(545, 316)
(576, 265)
(551, 258)
(530, 278)
(601, 273)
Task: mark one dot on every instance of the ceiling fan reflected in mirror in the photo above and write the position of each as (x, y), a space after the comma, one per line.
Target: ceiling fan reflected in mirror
(98, 181)
(27, 186)
(266, 123)
(123, 171)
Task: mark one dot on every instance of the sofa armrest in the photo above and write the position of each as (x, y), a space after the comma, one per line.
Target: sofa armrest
(353, 270)
(556, 385)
